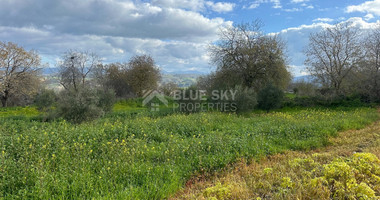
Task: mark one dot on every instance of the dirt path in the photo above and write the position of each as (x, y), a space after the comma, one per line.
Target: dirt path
(290, 175)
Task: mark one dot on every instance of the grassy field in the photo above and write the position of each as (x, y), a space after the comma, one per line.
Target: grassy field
(144, 156)
(349, 168)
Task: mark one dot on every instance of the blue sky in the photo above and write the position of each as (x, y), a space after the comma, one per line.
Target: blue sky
(175, 33)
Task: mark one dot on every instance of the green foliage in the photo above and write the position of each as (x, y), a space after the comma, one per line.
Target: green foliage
(106, 99)
(143, 157)
(245, 99)
(270, 98)
(116, 78)
(244, 55)
(45, 100)
(143, 74)
(317, 101)
(84, 104)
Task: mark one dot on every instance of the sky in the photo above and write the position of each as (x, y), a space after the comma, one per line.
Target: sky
(176, 33)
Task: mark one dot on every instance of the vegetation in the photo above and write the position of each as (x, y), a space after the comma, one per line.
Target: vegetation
(93, 149)
(333, 54)
(348, 169)
(245, 99)
(11, 112)
(270, 97)
(144, 157)
(144, 74)
(83, 104)
(19, 78)
(45, 100)
(76, 69)
(245, 56)
(116, 78)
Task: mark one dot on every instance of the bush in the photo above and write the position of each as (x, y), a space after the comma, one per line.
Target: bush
(84, 104)
(270, 97)
(45, 100)
(245, 99)
(106, 99)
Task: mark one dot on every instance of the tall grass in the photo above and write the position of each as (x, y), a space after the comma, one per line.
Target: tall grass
(143, 157)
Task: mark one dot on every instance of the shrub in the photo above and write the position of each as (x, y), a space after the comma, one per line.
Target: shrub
(45, 100)
(219, 192)
(270, 98)
(106, 99)
(84, 104)
(245, 99)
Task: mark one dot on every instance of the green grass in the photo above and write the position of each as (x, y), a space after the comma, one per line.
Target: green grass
(128, 105)
(150, 157)
(18, 112)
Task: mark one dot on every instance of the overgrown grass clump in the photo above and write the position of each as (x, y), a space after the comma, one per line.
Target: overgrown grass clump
(319, 176)
(144, 157)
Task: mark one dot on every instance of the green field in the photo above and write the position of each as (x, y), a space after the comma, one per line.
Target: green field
(143, 156)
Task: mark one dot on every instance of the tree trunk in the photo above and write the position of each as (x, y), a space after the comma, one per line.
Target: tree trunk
(4, 101)
(4, 98)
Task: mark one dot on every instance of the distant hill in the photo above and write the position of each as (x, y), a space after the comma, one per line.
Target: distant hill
(184, 72)
(49, 70)
(305, 78)
(182, 80)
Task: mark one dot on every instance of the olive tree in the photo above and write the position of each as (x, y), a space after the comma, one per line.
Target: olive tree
(250, 58)
(143, 74)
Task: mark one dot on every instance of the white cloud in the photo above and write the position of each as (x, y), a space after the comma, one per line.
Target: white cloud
(253, 5)
(257, 3)
(196, 5)
(298, 1)
(369, 17)
(372, 7)
(293, 10)
(170, 55)
(323, 20)
(115, 18)
(175, 35)
(276, 3)
(221, 7)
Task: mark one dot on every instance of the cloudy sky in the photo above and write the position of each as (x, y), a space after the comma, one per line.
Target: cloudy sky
(175, 33)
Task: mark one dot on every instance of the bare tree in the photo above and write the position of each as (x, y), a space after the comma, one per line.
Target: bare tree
(372, 63)
(76, 68)
(18, 72)
(256, 58)
(333, 53)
